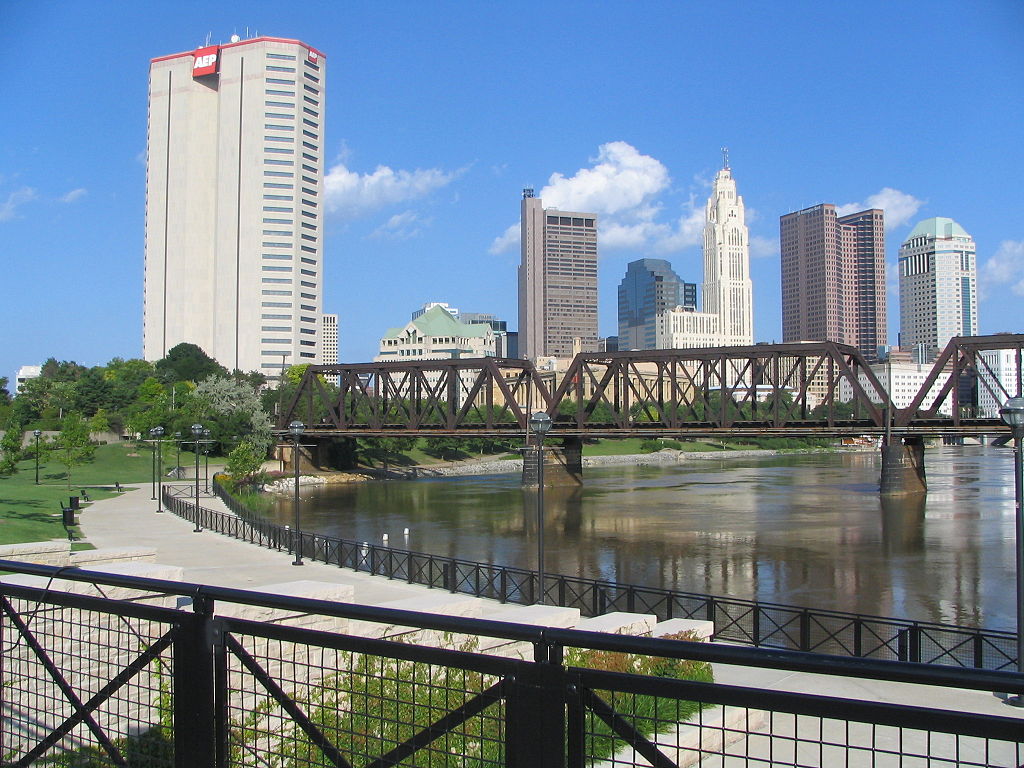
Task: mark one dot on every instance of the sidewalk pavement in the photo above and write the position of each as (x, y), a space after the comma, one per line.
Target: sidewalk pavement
(130, 520)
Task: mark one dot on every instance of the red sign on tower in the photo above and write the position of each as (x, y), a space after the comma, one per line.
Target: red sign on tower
(205, 61)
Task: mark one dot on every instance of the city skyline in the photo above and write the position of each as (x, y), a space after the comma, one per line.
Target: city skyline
(434, 131)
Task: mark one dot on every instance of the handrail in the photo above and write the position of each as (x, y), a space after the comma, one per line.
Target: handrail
(751, 622)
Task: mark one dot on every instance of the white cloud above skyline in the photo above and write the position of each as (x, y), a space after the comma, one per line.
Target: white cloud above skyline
(900, 207)
(349, 194)
(622, 186)
(16, 199)
(1004, 268)
(401, 226)
(74, 195)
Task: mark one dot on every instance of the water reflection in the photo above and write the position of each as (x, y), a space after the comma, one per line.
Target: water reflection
(809, 530)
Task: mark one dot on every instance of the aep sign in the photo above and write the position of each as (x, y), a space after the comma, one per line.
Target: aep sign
(204, 61)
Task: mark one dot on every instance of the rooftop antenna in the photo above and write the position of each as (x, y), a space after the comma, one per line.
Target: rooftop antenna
(725, 158)
(208, 36)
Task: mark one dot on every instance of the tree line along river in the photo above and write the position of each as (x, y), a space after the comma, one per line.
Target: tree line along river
(802, 529)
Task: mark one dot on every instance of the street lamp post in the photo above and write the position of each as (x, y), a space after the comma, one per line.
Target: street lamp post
(206, 460)
(540, 423)
(197, 432)
(152, 463)
(158, 436)
(36, 434)
(1013, 414)
(296, 428)
(177, 459)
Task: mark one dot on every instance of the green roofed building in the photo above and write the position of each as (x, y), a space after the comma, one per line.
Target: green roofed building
(436, 335)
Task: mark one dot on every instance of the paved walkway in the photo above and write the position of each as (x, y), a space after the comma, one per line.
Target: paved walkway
(130, 520)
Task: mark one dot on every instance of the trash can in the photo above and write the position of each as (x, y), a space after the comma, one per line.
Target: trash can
(69, 517)
(74, 502)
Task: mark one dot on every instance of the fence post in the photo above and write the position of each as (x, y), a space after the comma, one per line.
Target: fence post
(535, 723)
(503, 586)
(453, 580)
(195, 711)
(805, 630)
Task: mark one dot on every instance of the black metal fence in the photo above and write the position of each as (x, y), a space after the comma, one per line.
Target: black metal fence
(107, 670)
(750, 622)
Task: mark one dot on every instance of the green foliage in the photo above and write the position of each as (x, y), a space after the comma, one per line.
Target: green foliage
(444, 447)
(645, 713)
(245, 463)
(655, 444)
(374, 703)
(187, 362)
(72, 447)
(10, 445)
(231, 409)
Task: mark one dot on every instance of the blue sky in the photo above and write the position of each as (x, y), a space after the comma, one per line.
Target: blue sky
(439, 113)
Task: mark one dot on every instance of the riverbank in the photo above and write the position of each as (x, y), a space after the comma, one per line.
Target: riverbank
(664, 457)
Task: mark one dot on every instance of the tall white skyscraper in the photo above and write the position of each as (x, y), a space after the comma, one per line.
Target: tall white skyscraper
(234, 186)
(727, 304)
(727, 290)
(938, 286)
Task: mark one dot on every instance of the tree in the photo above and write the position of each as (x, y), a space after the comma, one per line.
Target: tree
(72, 447)
(229, 408)
(5, 395)
(245, 463)
(10, 444)
(187, 362)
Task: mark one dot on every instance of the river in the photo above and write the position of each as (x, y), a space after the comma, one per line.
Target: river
(801, 529)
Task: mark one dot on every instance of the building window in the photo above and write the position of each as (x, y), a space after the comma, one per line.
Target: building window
(269, 292)
(281, 304)
(284, 56)
(279, 208)
(278, 127)
(274, 161)
(284, 104)
(279, 150)
(275, 92)
(273, 68)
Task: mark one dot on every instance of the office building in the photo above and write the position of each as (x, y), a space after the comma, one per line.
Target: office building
(938, 286)
(727, 290)
(649, 287)
(999, 379)
(833, 277)
(234, 182)
(557, 281)
(726, 318)
(436, 335)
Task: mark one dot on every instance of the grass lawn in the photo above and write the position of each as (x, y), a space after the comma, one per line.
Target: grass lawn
(30, 512)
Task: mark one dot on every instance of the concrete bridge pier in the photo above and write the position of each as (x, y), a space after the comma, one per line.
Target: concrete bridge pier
(311, 456)
(903, 467)
(563, 465)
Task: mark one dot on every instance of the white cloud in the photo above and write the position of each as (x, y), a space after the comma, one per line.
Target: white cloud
(899, 207)
(621, 181)
(1006, 267)
(401, 226)
(688, 231)
(15, 199)
(764, 247)
(351, 194)
(507, 240)
(621, 186)
(74, 195)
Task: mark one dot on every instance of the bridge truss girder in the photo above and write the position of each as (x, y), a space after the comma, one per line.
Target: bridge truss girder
(805, 389)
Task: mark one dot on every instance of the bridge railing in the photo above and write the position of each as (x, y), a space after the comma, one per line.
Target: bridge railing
(750, 622)
(113, 670)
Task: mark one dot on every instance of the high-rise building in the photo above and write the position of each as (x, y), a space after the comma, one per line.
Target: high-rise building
(234, 183)
(557, 280)
(649, 287)
(833, 277)
(727, 316)
(938, 286)
(727, 290)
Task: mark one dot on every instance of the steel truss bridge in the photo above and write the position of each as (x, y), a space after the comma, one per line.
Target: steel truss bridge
(814, 389)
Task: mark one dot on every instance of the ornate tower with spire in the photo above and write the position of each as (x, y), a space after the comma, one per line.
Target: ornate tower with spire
(727, 291)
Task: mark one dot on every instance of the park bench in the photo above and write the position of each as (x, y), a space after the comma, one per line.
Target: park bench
(85, 495)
